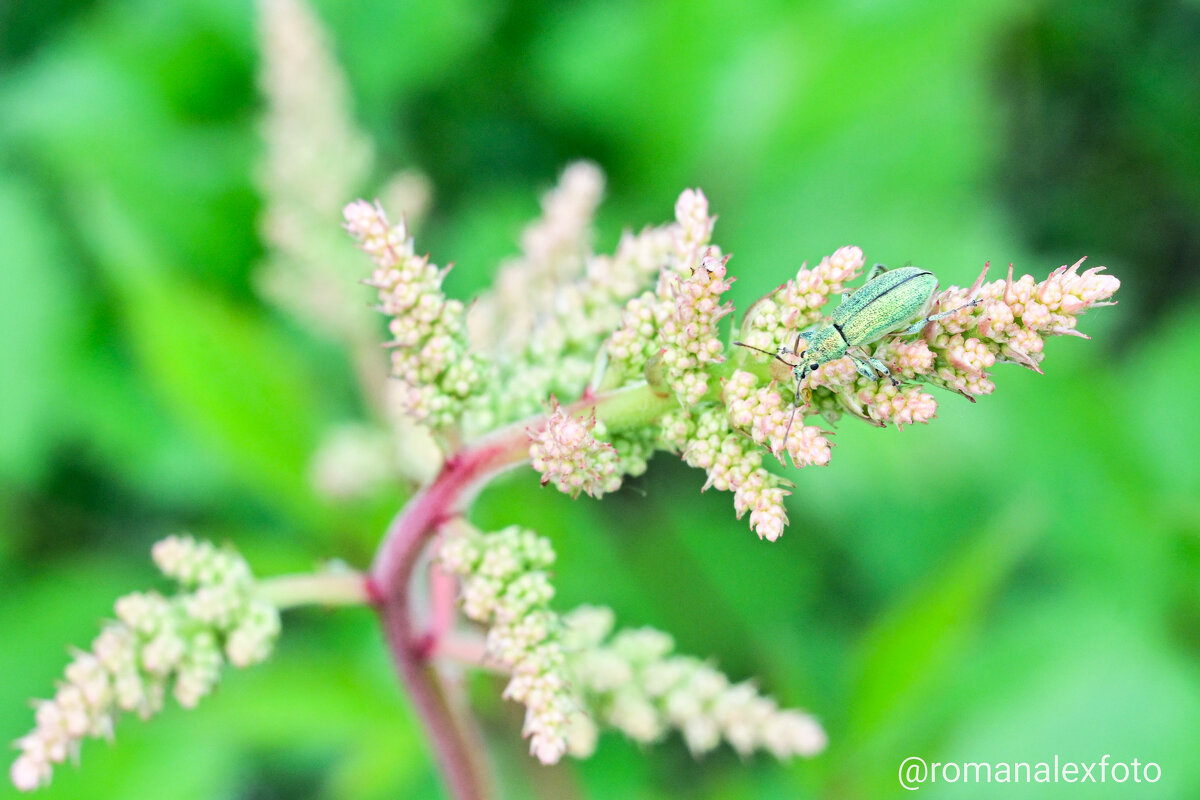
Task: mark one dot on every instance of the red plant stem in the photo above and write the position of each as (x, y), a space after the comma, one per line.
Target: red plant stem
(391, 574)
(444, 498)
(443, 594)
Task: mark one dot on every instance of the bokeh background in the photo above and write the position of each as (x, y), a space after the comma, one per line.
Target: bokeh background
(1019, 579)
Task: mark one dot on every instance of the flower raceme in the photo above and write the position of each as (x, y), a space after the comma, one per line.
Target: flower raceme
(568, 672)
(156, 643)
(567, 453)
(636, 336)
(429, 350)
(574, 675)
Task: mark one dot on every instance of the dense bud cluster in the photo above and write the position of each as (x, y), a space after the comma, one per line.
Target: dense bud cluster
(631, 681)
(505, 587)
(566, 321)
(315, 158)
(429, 342)
(157, 644)
(573, 676)
(1009, 323)
(569, 456)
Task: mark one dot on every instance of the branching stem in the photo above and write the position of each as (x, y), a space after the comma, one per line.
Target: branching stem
(447, 496)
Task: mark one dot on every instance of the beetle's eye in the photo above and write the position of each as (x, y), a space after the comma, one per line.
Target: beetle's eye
(813, 365)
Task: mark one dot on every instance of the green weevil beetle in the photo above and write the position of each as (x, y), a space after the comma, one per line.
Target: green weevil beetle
(885, 304)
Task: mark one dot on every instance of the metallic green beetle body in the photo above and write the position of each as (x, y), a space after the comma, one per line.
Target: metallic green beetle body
(885, 304)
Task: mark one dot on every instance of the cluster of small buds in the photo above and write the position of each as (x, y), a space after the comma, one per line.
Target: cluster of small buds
(707, 440)
(613, 280)
(505, 587)
(430, 355)
(633, 683)
(314, 158)
(677, 321)
(689, 335)
(533, 323)
(567, 454)
(560, 240)
(635, 342)
(695, 229)
(882, 403)
(554, 249)
(774, 320)
(550, 309)
(760, 412)
(156, 642)
(1011, 321)
(633, 447)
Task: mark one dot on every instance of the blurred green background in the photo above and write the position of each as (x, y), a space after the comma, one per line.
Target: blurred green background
(1018, 580)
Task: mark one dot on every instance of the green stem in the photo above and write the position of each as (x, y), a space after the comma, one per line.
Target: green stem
(343, 588)
(631, 407)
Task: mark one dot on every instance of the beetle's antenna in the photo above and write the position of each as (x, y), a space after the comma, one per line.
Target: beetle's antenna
(788, 430)
(764, 352)
(752, 347)
(795, 407)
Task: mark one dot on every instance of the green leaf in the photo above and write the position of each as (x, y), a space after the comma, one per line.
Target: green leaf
(903, 659)
(37, 326)
(221, 369)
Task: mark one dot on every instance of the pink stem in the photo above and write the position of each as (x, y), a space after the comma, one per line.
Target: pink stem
(391, 575)
(444, 498)
(443, 590)
(466, 649)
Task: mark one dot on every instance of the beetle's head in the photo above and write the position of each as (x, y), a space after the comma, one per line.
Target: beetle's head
(825, 345)
(805, 365)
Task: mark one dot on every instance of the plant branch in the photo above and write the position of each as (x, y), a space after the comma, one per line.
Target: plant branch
(445, 498)
(328, 588)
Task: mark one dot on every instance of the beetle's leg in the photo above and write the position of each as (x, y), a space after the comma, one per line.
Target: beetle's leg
(871, 368)
(864, 366)
(876, 271)
(803, 400)
(882, 369)
(921, 323)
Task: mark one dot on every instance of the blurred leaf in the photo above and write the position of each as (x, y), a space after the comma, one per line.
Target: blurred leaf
(96, 109)
(223, 371)
(1165, 373)
(910, 649)
(39, 327)
(1077, 680)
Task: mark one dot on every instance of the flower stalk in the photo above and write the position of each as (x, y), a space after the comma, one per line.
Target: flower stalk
(343, 587)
